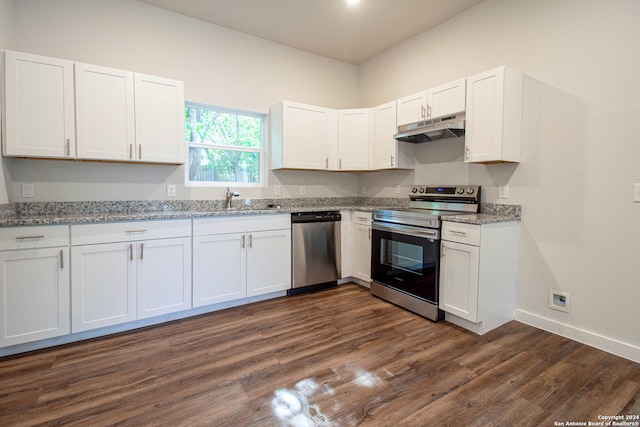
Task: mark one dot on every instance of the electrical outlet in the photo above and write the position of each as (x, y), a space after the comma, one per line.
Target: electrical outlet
(277, 191)
(636, 192)
(363, 190)
(397, 189)
(559, 300)
(503, 191)
(171, 190)
(27, 190)
(303, 190)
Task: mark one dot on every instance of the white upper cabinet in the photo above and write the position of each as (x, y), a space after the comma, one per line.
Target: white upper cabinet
(302, 136)
(38, 113)
(448, 98)
(385, 151)
(412, 108)
(354, 136)
(159, 108)
(104, 113)
(119, 115)
(494, 116)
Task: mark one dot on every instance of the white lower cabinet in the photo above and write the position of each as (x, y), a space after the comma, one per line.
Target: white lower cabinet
(127, 271)
(34, 283)
(478, 271)
(240, 257)
(361, 245)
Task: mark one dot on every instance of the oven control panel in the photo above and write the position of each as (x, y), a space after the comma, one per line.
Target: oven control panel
(471, 191)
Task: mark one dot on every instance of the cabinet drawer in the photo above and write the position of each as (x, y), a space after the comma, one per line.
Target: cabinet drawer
(34, 237)
(86, 234)
(240, 224)
(462, 233)
(362, 218)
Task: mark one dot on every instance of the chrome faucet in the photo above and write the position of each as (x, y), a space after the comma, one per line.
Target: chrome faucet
(230, 195)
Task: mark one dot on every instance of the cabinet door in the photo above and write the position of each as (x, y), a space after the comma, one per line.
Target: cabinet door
(38, 106)
(459, 266)
(362, 251)
(104, 285)
(34, 285)
(307, 136)
(494, 116)
(412, 108)
(219, 268)
(104, 113)
(159, 112)
(445, 99)
(354, 130)
(163, 276)
(268, 262)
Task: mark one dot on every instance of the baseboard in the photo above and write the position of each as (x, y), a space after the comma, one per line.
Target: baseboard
(610, 345)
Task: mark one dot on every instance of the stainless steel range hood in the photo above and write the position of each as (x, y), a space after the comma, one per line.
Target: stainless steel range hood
(450, 126)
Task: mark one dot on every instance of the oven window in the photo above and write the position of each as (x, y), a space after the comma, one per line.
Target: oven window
(403, 256)
(406, 263)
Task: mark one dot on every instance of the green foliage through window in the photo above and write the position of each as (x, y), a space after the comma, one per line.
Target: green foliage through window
(225, 147)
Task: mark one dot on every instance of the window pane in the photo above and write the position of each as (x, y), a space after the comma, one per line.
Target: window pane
(213, 165)
(221, 128)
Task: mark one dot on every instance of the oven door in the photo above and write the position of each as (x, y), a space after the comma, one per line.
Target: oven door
(406, 259)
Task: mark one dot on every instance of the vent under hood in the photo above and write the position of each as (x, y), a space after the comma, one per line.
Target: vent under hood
(451, 126)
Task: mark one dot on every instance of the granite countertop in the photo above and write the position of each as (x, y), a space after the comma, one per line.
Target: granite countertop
(491, 213)
(47, 213)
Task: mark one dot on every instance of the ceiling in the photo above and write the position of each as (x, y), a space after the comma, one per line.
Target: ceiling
(333, 28)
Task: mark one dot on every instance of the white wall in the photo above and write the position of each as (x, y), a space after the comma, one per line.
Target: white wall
(580, 231)
(219, 67)
(6, 37)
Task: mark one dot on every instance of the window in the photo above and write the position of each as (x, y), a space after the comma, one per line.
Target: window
(225, 147)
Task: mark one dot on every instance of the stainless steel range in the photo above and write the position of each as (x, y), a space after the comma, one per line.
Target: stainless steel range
(405, 251)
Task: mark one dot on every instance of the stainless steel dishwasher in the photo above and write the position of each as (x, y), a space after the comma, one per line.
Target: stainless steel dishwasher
(315, 247)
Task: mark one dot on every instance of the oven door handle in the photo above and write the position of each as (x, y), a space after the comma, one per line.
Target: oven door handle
(409, 231)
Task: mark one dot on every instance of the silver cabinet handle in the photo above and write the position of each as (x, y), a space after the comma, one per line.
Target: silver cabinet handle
(68, 147)
(392, 159)
(242, 242)
(369, 233)
(141, 230)
(423, 111)
(141, 251)
(326, 163)
(250, 240)
(130, 151)
(467, 155)
(130, 252)
(61, 259)
(35, 236)
(139, 151)
(428, 110)
(459, 233)
(340, 164)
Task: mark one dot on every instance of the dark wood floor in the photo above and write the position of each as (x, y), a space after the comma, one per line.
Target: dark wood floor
(335, 358)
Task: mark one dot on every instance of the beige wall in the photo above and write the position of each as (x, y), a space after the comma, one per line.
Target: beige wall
(580, 157)
(219, 67)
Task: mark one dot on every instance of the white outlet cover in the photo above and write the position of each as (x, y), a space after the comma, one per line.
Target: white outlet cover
(171, 190)
(503, 191)
(27, 190)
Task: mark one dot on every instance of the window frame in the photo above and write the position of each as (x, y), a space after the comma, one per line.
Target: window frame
(262, 152)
